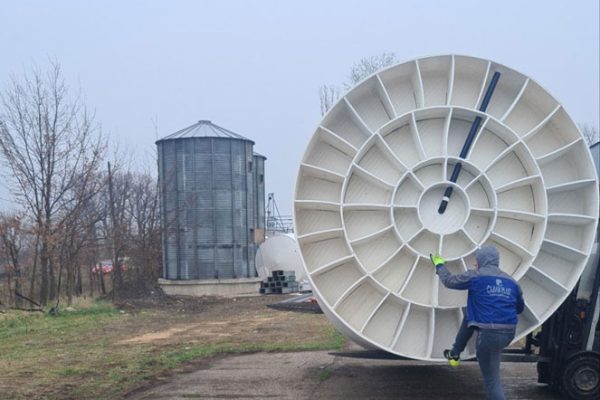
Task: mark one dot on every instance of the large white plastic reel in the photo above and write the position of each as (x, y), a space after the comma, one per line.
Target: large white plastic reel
(373, 176)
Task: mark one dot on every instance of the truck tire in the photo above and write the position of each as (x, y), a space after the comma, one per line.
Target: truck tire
(580, 378)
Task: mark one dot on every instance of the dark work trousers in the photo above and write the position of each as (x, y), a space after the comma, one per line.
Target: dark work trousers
(462, 338)
(490, 343)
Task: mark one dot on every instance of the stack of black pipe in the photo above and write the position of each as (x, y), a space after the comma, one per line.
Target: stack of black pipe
(280, 282)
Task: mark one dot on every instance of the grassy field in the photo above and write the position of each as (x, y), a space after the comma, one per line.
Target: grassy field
(101, 352)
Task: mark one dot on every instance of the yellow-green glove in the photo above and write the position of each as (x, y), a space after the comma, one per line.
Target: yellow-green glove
(437, 260)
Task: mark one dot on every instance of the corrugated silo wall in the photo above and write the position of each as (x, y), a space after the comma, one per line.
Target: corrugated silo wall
(259, 179)
(208, 206)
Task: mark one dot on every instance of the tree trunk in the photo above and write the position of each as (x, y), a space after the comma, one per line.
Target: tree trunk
(44, 274)
(117, 279)
(101, 279)
(18, 300)
(34, 268)
(52, 295)
(59, 285)
(79, 284)
(70, 284)
(9, 288)
(92, 280)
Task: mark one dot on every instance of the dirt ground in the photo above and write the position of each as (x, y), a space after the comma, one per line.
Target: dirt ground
(192, 320)
(146, 341)
(312, 374)
(320, 375)
(123, 357)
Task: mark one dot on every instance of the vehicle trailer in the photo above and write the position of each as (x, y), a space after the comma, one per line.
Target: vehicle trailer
(569, 341)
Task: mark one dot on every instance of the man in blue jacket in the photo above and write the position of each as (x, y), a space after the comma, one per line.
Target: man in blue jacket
(493, 303)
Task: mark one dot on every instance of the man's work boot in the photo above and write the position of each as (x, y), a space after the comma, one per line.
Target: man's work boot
(452, 359)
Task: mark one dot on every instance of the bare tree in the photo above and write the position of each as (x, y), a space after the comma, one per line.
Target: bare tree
(77, 234)
(115, 222)
(118, 196)
(50, 144)
(145, 233)
(590, 133)
(89, 230)
(329, 94)
(367, 66)
(11, 241)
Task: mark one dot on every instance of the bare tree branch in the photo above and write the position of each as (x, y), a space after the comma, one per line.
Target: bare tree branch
(368, 66)
(590, 133)
(329, 94)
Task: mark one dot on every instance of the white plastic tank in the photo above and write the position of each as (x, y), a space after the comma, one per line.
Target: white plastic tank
(279, 252)
(377, 167)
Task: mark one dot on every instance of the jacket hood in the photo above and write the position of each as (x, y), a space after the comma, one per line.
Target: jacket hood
(487, 256)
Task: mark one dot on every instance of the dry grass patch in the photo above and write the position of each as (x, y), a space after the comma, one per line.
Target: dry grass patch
(101, 352)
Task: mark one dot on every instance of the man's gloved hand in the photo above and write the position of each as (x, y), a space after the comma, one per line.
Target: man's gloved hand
(437, 259)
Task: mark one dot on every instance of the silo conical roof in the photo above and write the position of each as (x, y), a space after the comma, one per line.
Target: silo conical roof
(204, 129)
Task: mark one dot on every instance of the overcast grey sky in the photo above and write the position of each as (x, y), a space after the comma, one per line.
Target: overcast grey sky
(255, 67)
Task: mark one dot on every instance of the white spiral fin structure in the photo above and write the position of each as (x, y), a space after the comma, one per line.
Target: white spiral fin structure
(379, 165)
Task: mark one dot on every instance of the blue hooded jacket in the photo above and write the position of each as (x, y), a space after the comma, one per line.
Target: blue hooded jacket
(494, 298)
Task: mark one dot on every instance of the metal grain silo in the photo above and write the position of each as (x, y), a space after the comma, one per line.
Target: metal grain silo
(208, 200)
(259, 184)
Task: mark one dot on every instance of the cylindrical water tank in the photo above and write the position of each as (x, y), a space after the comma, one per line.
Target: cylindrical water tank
(208, 203)
(374, 174)
(279, 252)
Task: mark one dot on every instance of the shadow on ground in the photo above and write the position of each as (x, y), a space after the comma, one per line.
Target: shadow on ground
(319, 375)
